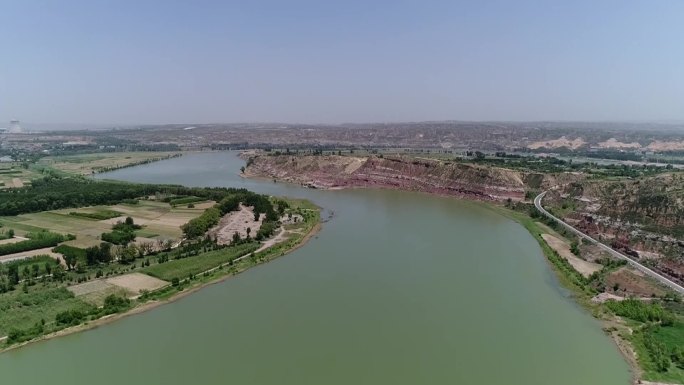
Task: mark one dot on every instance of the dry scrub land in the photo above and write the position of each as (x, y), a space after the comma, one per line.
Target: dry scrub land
(13, 175)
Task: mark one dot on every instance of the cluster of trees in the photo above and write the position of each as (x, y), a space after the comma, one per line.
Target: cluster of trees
(266, 230)
(118, 237)
(112, 304)
(56, 192)
(98, 254)
(574, 248)
(189, 249)
(659, 353)
(27, 270)
(37, 240)
(122, 233)
(231, 202)
(138, 163)
(53, 193)
(18, 335)
(177, 201)
(9, 234)
(106, 253)
(642, 311)
(72, 255)
(70, 317)
(99, 216)
(198, 226)
(261, 204)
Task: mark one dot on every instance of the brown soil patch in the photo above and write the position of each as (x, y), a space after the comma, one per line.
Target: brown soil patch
(31, 253)
(563, 249)
(136, 282)
(280, 237)
(614, 143)
(558, 143)
(12, 240)
(236, 221)
(632, 282)
(666, 146)
(603, 297)
(89, 287)
(130, 285)
(204, 205)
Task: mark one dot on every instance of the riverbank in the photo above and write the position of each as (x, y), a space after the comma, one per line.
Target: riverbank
(578, 293)
(626, 333)
(171, 293)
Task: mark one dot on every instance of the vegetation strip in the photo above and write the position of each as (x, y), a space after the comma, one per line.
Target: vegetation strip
(41, 297)
(653, 331)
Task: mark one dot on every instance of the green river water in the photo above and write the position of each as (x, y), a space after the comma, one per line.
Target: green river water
(398, 288)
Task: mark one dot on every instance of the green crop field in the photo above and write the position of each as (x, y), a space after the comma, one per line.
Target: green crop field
(182, 268)
(159, 220)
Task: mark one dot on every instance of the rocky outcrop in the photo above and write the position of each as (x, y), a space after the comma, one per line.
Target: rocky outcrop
(396, 172)
(641, 217)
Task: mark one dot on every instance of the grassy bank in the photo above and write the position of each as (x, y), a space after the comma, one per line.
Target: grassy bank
(657, 341)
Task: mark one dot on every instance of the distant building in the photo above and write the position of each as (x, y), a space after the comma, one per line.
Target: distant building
(75, 143)
(6, 159)
(14, 127)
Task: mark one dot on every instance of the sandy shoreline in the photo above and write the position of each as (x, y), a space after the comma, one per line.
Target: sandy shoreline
(153, 304)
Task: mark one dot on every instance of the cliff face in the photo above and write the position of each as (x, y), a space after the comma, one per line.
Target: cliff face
(642, 217)
(413, 174)
(653, 203)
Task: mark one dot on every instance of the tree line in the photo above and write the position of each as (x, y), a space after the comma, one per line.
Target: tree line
(231, 202)
(37, 240)
(56, 192)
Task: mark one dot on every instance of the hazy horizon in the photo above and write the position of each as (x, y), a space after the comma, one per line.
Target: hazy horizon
(34, 126)
(125, 63)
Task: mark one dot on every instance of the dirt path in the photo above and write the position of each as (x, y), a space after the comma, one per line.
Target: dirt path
(563, 249)
(281, 236)
(30, 253)
(12, 240)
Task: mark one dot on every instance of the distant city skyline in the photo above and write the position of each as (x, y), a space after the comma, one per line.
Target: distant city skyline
(100, 64)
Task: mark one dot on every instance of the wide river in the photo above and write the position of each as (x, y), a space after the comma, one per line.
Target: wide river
(398, 288)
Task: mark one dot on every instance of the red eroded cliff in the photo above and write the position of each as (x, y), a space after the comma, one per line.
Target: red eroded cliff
(396, 172)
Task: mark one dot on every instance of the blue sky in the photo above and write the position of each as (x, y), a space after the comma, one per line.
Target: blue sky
(130, 62)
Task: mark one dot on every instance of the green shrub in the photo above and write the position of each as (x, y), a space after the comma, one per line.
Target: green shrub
(36, 240)
(641, 311)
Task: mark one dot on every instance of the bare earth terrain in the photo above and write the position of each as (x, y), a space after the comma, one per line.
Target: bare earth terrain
(394, 172)
(31, 253)
(136, 282)
(560, 142)
(236, 221)
(563, 249)
(129, 285)
(12, 240)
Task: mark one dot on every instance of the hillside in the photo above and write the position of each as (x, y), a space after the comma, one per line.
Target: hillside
(643, 217)
(395, 172)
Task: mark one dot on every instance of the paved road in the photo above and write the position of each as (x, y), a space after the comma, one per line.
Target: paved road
(664, 280)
